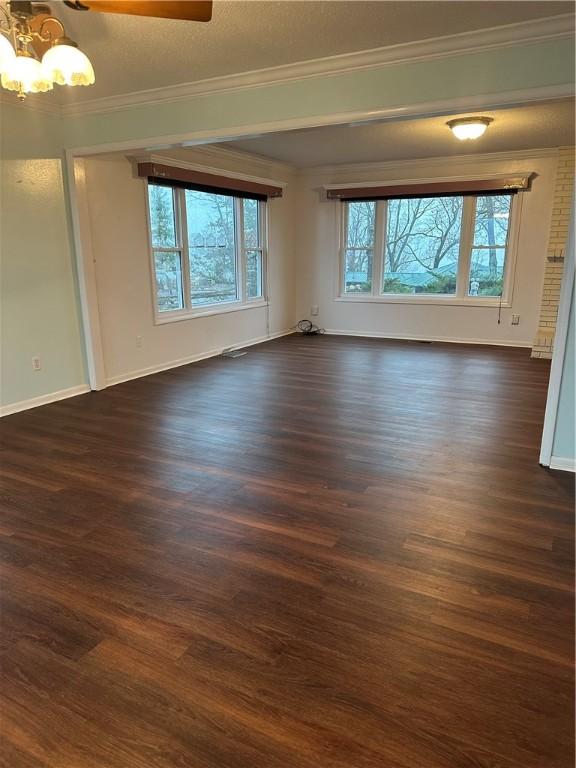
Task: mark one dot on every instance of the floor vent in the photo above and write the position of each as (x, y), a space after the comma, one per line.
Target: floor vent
(232, 353)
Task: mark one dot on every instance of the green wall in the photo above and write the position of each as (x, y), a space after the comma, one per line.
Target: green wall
(496, 71)
(40, 313)
(39, 309)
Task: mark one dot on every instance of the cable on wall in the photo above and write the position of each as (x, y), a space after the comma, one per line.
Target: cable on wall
(307, 328)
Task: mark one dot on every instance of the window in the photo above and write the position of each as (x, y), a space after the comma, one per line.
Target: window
(211, 248)
(488, 257)
(167, 249)
(455, 247)
(360, 234)
(207, 249)
(253, 249)
(422, 245)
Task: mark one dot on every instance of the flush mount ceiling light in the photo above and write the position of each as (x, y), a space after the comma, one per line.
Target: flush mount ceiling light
(35, 51)
(469, 128)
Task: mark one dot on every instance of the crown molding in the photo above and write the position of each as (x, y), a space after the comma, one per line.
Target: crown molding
(392, 165)
(177, 163)
(243, 155)
(219, 152)
(32, 103)
(522, 33)
(444, 107)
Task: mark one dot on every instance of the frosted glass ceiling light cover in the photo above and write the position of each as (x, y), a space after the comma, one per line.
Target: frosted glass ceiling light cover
(67, 65)
(469, 128)
(25, 74)
(7, 53)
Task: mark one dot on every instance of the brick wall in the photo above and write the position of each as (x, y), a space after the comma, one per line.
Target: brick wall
(563, 190)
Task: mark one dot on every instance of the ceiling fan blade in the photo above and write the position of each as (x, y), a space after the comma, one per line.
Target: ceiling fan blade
(188, 10)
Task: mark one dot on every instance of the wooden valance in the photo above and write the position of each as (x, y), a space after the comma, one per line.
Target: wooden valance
(200, 181)
(502, 186)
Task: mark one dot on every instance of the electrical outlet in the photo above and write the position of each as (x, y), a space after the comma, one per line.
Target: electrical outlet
(515, 319)
(36, 364)
(138, 341)
(314, 310)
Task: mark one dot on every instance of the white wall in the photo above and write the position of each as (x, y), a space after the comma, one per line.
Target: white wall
(303, 263)
(318, 227)
(117, 213)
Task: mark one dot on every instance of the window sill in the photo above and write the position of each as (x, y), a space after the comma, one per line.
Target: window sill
(232, 306)
(454, 301)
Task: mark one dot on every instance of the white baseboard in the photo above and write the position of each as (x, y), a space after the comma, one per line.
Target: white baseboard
(414, 337)
(52, 397)
(113, 380)
(567, 465)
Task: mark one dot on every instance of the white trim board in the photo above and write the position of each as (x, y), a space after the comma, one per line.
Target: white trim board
(138, 374)
(445, 106)
(221, 152)
(440, 339)
(51, 397)
(509, 35)
(75, 179)
(559, 349)
(33, 102)
(385, 166)
(566, 465)
(82, 389)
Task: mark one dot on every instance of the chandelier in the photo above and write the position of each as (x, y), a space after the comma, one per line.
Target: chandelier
(35, 52)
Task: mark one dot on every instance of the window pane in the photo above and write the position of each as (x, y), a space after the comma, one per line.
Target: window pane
(358, 270)
(487, 271)
(210, 219)
(253, 274)
(251, 222)
(167, 267)
(361, 220)
(492, 217)
(422, 245)
(161, 203)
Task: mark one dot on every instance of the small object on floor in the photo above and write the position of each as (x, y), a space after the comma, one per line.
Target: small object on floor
(307, 328)
(232, 353)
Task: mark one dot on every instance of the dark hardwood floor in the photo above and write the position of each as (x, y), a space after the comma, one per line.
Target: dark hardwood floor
(328, 553)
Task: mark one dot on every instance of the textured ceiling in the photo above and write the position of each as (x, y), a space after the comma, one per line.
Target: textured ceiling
(549, 124)
(134, 53)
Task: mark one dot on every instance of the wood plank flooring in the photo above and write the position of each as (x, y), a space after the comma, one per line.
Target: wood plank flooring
(328, 553)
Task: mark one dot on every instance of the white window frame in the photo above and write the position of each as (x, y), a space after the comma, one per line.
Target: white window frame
(181, 225)
(461, 297)
(244, 249)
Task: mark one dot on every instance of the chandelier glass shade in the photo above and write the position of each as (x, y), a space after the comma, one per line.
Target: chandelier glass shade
(7, 53)
(65, 63)
(25, 74)
(21, 68)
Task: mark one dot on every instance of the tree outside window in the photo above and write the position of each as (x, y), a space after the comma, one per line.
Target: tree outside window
(429, 246)
(201, 243)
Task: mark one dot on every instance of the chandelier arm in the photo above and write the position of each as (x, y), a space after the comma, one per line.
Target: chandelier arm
(48, 37)
(8, 18)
